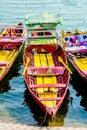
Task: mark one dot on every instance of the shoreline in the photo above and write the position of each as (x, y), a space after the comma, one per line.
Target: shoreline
(19, 126)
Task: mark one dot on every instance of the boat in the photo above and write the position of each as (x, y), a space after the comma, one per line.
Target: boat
(11, 42)
(46, 72)
(75, 44)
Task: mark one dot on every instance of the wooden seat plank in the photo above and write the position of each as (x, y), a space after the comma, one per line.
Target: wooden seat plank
(48, 86)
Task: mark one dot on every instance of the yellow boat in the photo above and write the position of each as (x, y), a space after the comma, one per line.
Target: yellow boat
(75, 46)
(11, 42)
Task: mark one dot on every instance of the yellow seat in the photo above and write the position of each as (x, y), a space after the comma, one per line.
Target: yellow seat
(81, 63)
(45, 60)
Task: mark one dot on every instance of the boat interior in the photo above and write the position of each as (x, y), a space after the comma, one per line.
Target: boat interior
(10, 42)
(5, 58)
(48, 84)
(76, 48)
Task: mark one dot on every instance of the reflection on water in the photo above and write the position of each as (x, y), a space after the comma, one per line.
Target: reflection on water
(83, 103)
(18, 105)
(4, 114)
(14, 72)
(40, 116)
(5, 96)
(15, 102)
(61, 114)
(80, 86)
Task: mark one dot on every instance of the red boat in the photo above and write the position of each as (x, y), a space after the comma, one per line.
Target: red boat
(45, 68)
(75, 45)
(11, 42)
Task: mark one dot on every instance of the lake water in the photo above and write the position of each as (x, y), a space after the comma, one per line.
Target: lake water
(15, 102)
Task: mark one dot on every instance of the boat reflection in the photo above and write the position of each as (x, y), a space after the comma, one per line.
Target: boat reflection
(40, 117)
(61, 114)
(14, 72)
(83, 103)
(81, 87)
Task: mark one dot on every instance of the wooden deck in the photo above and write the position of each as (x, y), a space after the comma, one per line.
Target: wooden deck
(5, 58)
(48, 93)
(82, 63)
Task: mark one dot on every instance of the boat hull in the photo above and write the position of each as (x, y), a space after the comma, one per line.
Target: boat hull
(78, 70)
(50, 112)
(11, 43)
(75, 45)
(6, 69)
(54, 92)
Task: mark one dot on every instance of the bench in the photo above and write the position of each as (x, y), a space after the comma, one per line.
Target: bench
(45, 71)
(3, 63)
(59, 85)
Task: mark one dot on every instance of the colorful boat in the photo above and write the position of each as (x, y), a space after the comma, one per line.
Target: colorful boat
(75, 45)
(11, 42)
(45, 67)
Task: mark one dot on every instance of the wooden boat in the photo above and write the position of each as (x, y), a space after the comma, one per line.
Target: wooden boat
(75, 45)
(11, 42)
(45, 68)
